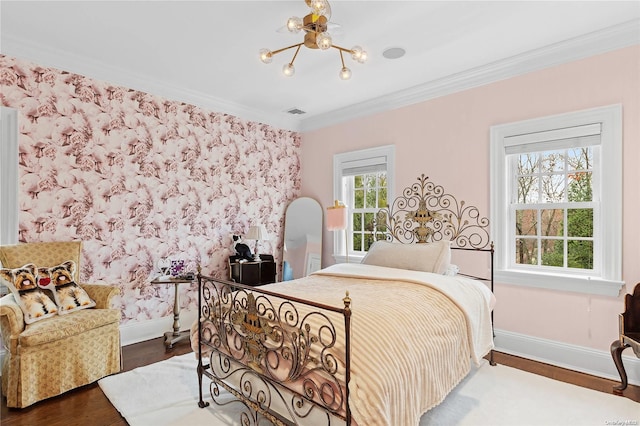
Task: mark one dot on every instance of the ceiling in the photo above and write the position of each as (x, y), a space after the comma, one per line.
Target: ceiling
(206, 52)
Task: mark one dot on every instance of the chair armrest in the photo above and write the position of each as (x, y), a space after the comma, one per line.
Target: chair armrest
(11, 322)
(621, 326)
(102, 294)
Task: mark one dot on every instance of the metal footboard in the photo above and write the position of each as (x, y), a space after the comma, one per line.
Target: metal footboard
(286, 359)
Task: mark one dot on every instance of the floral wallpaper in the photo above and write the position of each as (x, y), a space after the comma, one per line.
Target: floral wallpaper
(137, 178)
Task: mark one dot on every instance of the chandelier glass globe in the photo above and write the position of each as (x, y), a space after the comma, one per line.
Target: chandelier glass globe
(288, 70)
(323, 40)
(345, 73)
(266, 56)
(318, 7)
(294, 24)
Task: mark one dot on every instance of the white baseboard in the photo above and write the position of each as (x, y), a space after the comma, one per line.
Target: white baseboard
(577, 358)
(139, 331)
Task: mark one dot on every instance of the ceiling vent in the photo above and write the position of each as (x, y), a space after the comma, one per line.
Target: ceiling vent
(296, 111)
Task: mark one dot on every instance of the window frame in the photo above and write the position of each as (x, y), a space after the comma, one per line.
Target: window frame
(9, 207)
(381, 154)
(607, 279)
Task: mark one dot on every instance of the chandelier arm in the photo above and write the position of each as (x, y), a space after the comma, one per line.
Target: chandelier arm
(341, 57)
(295, 54)
(275, 52)
(342, 49)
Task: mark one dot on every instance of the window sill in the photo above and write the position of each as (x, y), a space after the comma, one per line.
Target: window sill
(574, 284)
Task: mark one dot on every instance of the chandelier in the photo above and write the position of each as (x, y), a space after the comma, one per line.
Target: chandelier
(316, 36)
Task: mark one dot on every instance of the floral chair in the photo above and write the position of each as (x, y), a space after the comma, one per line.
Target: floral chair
(50, 356)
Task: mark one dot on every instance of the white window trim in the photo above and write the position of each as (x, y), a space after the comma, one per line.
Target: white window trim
(610, 281)
(8, 176)
(387, 151)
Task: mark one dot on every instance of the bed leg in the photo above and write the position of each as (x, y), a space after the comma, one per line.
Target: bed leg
(201, 402)
(491, 361)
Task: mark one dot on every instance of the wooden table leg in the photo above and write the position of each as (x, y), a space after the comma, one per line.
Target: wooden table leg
(171, 337)
(176, 312)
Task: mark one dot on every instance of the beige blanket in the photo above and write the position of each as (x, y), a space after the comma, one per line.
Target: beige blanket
(473, 297)
(411, 345)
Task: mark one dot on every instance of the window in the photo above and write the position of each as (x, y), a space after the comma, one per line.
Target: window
(556, 201)
(367, 194)
(362, 181)
(553, 207)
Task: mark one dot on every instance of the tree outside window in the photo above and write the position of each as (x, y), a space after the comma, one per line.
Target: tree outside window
(369, 195)
(554, 208)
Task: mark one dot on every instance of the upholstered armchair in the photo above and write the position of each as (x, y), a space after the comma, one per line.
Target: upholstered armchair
(53, 355)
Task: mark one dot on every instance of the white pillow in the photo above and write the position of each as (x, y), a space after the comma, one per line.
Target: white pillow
(426, 257)
(452, 270)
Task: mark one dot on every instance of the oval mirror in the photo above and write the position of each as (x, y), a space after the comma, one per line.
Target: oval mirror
(302, 238)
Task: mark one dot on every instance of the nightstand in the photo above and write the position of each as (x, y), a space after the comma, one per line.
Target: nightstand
(253, 273)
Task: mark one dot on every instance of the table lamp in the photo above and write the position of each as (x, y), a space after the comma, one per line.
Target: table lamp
(337, 220)
(257, 233)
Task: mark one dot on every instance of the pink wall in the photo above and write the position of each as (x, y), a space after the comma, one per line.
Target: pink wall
(137, 177)
(448, 140)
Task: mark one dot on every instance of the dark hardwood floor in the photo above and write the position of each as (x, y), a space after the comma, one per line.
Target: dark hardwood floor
(89, 406)
(568, 376)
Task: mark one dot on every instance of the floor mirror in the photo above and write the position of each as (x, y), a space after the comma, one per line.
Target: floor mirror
(302, 238)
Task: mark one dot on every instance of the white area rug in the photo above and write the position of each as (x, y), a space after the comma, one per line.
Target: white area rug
(166, 393)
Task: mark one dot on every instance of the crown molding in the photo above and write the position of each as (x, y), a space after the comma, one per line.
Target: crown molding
(46, 56)
(597, 42)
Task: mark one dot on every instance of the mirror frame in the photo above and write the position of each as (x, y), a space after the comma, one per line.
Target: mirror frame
(303, 230)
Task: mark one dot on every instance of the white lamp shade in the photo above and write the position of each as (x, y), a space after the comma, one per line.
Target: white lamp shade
(257, 233)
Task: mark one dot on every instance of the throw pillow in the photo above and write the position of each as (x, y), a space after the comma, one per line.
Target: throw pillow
(34, 302)
(426, 257)
(69, 296)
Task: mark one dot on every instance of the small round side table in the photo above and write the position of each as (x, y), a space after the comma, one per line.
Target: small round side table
(172, 337)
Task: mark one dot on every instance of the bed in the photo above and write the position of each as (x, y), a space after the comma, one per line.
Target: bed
(373, 343)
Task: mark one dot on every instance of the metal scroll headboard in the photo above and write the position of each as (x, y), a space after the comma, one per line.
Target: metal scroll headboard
(426, 213)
